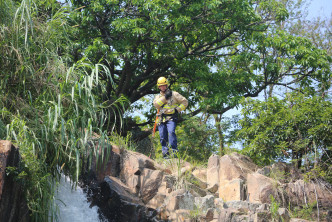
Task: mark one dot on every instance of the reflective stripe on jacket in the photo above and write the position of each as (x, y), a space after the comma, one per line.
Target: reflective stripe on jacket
(177, 101)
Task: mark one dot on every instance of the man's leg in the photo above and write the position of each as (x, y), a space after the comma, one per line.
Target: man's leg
(163, 138)
(171, 125)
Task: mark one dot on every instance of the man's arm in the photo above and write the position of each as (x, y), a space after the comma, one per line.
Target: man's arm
(159, 101)
(181, 100)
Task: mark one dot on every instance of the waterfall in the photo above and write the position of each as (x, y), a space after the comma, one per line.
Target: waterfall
(73, 205)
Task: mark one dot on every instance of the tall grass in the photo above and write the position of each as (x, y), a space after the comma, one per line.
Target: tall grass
(50, 110)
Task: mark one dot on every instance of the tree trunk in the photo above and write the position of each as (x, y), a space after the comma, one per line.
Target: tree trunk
(217, 118)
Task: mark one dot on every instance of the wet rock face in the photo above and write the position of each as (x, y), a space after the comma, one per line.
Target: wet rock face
(12, 204)
(116, 203)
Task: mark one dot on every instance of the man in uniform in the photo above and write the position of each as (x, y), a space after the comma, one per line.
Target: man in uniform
(169, 103)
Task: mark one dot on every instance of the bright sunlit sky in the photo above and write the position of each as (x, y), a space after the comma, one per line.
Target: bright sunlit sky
(321, 8)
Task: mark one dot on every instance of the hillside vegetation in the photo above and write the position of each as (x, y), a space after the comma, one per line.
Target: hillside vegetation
(74, 69)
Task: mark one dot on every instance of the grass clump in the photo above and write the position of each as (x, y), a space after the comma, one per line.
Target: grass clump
(50, 108)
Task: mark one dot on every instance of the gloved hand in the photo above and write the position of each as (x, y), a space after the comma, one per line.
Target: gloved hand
(176, 111)
(168, 94)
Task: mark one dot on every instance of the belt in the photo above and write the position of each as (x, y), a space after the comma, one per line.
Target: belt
(168, 114)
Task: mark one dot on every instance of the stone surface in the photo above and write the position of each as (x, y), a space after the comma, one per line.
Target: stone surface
(263, 207)
(329, 216)
(157, 201)
(264, 171)
(233, 172)
(204, 203)
(232, 190)
(301, 192)
(213, 161)
(200, 192)
(133, 163)
(174, 166)
(212, 172)
(259, 188)
(179, 199)
(235, 166)
(241, 186)
(240, 204)
(212, 177)
(12, 203)
(228, 215)
(209, 216)
(200, 174)
(300, 220)
(262, 216)
(118, 204)
(213, 188)
(181, 215)
(219, 203)
(150, 181)
(198, 182)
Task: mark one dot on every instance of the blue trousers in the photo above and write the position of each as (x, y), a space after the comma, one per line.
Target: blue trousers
(168, 136)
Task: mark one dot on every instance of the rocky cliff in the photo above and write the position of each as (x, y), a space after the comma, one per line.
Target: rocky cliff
(231, 188)
(128, 186)
(13, 207)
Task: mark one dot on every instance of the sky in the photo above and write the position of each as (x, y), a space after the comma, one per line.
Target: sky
(321, 8)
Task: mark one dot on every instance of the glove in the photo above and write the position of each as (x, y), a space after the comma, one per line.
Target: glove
(168, 94)
(176, 111)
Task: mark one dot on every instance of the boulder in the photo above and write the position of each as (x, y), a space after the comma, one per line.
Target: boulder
(213, 161)
(219, 203)
(232, 190)
(200, 174)
(150, 181)
(196, 190)
(157, 201)
(167, 185)
(179, 199)
(198, 182)
(301, 192)
(12, 202)
(204, 203)
(132, 165)
(235, 166)
(181, 215)
(228, 215)
(233, 172)
(260, 187)
(264, 171)
(175, 166)
(212, 172)
(262, 216)
(118, 204)
(245, 206)
(212, 177)
(213, 189)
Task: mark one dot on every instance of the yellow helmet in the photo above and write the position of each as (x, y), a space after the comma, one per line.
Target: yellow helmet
(162, 81)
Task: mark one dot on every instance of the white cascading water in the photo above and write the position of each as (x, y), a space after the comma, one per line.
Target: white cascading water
(73, 204)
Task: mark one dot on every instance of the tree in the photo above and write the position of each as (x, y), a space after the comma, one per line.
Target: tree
(218, 51)
(48, 109)
(295, 128)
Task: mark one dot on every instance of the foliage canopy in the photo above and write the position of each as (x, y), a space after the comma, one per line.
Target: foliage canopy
(295, 127)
